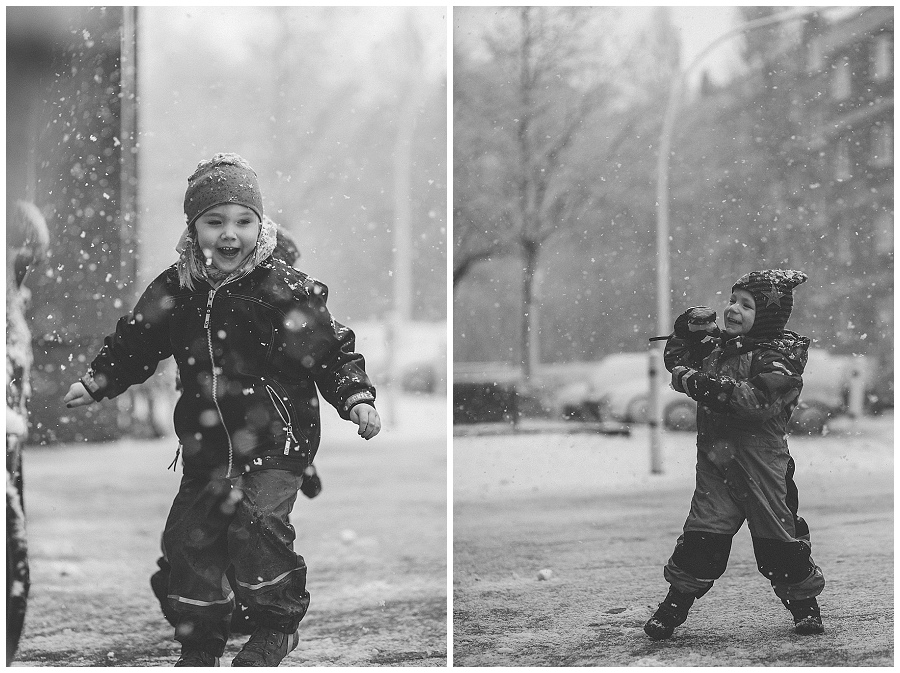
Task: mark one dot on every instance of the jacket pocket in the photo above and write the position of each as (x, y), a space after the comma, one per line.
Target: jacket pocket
(282, 408)
(764, 446)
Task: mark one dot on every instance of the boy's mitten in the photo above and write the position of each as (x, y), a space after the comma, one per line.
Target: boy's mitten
(681, 380)
(697, 328)
(696, 323)
(709, 390)
(311, 485)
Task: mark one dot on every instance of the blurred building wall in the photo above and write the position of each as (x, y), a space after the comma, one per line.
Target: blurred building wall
(65, 153)
(837, 196)
(850, 90)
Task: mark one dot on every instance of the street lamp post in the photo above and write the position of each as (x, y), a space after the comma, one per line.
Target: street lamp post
(663, 289)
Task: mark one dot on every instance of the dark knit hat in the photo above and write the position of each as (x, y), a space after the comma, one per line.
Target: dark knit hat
(772, 290)
(226, 178)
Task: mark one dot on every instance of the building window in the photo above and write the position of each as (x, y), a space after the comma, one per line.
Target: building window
(884, 233)
(883, 58)
(816, 131)
(844, 247)
(882, 150)
(797, 111)
(820, 211)
(842, 166)
(814, 55)
(842, 81)
(820, 220)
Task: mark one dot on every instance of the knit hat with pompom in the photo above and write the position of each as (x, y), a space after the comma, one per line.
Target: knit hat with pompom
(772, 290)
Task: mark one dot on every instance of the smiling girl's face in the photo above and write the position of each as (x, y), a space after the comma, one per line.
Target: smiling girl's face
(740, 313)
(227, 233)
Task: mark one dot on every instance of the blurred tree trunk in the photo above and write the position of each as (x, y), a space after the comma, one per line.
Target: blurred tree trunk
(525, 128)
(413, 97)
(543, 134)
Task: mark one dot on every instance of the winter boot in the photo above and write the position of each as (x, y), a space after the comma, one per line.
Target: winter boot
(194, 656)
(672, 612)
(266, 647)
(807, 618)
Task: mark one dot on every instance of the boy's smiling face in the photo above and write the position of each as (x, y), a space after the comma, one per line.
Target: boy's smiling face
(740, 313)
(227, 234)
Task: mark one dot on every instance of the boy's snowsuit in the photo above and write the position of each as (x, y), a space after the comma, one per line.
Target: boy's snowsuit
(746, 390)
(250, 354)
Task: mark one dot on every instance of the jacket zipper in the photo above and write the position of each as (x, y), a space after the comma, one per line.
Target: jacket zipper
(215, 379)
(212, 293)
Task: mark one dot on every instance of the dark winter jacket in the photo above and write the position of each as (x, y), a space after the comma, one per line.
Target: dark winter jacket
(746, 390)
(250, 355)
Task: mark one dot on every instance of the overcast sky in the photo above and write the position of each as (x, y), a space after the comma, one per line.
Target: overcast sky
(698, 27)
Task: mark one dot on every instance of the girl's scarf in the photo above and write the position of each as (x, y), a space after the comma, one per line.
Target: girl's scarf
(193, 265)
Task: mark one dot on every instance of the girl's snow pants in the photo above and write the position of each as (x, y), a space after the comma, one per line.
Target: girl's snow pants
(757, 486)
(242, 521)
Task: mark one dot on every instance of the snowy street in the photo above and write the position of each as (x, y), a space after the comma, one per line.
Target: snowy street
(374, 541)
(586, 509)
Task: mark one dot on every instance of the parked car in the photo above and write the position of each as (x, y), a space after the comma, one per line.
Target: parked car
(617, 388)
(827, 381)
(586, 399)
(880, 392)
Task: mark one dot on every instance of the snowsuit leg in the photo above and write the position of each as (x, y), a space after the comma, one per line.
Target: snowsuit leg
(701, 552)
(196, 547)
(756, 484)
(698, 561)
(787, 564)
(269, 577)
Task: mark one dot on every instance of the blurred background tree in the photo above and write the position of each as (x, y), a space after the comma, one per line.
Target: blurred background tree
(531, 93)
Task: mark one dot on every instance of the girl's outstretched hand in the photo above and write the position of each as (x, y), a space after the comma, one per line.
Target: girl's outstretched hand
(367, 418)
(78, 396)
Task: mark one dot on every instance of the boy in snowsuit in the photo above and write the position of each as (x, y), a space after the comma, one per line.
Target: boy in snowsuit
(746, 380)
(253, 340)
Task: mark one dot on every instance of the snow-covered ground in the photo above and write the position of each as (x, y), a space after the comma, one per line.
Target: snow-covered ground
(375, 542)
(560, 540)
(529, 464)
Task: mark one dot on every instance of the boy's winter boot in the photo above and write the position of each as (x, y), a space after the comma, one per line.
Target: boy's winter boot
(195, 656)
(266, 647)
(672, 612)
(807, 618)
